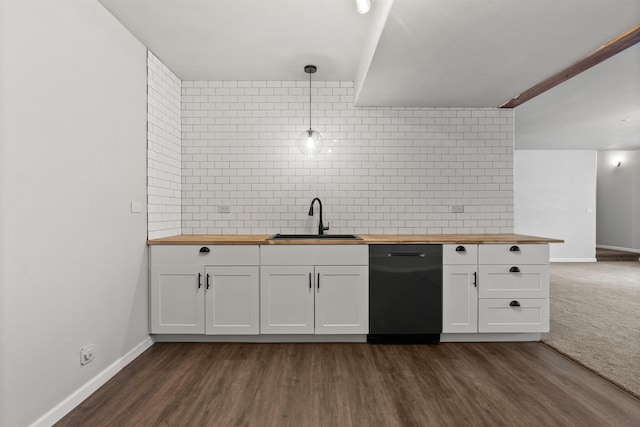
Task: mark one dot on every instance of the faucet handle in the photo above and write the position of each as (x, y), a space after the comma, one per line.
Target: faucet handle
(326, 228)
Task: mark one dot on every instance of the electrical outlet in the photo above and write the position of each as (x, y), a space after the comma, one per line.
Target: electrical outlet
(87, 354)
(224, 209)
(457, 208)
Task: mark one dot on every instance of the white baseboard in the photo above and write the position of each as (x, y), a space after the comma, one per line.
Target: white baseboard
(482, 337)
(490, 337)
(618, 248)
(64, 407)
(573, 260)
(260, 338)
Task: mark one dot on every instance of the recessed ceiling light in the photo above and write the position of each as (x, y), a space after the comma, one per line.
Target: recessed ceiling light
(363, 6)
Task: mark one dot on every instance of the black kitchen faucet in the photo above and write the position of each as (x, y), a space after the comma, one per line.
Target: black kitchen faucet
(321, 227)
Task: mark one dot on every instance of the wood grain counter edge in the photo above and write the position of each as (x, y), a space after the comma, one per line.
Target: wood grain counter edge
(367, 239)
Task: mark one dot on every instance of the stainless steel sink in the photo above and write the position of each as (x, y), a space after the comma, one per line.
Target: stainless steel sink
(314, 236)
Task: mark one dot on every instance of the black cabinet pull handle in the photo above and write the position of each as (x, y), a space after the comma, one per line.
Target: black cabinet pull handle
(204, 250)
(475, 279)
(207, 280)
(461, 249)
(514, 270)
(318, 281)
(406, 254)
(514, 304)
(309, 280)
(514, 249)
(199, 280)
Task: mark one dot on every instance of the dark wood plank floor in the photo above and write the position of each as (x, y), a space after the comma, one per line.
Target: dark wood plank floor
(220, 384)
(603, 254)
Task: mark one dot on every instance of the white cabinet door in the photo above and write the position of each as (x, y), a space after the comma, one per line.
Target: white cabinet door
(342, 300)
(232, 300)
(177, 299)
(459, 298)
(286, 300)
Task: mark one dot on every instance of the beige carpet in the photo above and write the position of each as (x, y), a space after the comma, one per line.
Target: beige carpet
(595, 318)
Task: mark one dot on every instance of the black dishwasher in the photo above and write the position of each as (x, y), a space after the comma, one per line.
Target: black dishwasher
(405, 293)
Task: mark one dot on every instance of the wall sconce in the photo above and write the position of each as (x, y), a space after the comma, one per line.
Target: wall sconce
(615, 159)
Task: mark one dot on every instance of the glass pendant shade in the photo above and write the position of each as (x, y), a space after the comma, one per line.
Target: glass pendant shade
(310, 142)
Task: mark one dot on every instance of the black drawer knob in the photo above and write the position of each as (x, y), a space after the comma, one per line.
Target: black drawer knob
(514, 249)
(514, 270)
(461, 249)
(514, 304)
(204, 250)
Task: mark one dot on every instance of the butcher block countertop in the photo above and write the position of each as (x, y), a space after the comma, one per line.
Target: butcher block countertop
(367, 239)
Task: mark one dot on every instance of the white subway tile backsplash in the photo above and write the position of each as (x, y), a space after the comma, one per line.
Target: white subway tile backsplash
(384, 170)
(390, 170)
(164, 149)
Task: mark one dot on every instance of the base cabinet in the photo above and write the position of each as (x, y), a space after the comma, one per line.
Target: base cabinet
(324, 289)
(495, 288)
(513, 288)
(312, 298)
(200, 298)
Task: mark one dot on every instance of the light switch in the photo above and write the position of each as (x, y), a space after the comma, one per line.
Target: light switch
(136, 207)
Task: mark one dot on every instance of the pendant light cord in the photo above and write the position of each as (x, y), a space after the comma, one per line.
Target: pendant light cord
(309, 104)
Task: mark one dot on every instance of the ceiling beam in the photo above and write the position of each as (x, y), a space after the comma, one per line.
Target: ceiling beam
(603, 53)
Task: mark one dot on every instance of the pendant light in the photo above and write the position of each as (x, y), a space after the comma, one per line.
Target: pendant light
(310, 141)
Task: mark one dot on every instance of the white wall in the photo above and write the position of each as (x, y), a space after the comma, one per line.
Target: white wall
(73, 263)
(619, 200)
(555, 196)
(164, 150)
(391, 170)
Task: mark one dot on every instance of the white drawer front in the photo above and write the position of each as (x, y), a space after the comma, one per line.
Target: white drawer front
(526, 281)
(465, 254)
(514, 254)
(314, 254)
(513, 315)
(217, 255)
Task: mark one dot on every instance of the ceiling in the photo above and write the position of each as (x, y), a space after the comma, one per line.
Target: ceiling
(432, 53)
(598, 109)
(248, 39)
